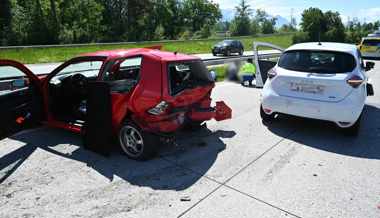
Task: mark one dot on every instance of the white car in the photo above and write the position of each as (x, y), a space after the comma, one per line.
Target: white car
(324, 81)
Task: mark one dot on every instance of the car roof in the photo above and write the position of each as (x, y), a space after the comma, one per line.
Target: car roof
(154, 53)
(325, 46)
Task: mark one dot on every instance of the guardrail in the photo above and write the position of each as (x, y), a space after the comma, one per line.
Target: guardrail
(220, 61)
(137, 43)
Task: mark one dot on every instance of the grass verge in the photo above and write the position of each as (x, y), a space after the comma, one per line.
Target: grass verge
(46, 55)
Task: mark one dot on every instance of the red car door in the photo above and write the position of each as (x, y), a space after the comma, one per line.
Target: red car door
(20, 97)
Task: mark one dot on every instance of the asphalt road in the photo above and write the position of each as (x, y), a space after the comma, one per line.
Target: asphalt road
(236, 168)
(48, 67)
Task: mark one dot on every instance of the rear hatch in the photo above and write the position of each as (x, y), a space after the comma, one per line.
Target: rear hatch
(314, 75)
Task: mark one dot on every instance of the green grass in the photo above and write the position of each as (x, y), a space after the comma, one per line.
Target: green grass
(45, 55)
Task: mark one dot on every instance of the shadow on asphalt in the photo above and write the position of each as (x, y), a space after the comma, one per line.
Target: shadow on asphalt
(328, 137)
(158, 173)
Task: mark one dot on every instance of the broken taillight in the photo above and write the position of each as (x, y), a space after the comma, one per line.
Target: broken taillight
(355, 81)
(159, 109)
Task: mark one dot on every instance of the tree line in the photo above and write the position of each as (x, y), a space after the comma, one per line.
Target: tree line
(328, 26)
(29, 22)
(77, 21)
(251, 22)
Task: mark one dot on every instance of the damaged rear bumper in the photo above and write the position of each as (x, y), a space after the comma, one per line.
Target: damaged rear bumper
(172, 122)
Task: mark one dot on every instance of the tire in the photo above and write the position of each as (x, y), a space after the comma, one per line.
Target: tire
(265, 117)
(214, 54)
(241, 52)
(354, 129)
(137, 144)
(227, 53)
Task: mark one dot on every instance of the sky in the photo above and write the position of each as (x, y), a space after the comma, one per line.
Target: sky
(364, 10)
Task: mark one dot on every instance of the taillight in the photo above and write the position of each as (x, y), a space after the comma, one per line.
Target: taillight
(355, 81)
(272, 73)
(159, 109)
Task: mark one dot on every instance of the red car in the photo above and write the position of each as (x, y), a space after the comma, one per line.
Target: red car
(139, 96)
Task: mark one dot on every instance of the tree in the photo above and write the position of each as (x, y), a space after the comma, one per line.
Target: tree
(5, 21)
(322, 26)
(313, 23)
(241, 25)
(81, 21)
(335, 28)
(268, 26)
(265, 22)
(200, 14)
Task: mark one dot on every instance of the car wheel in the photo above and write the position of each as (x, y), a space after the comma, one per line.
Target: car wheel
(137, 144)
(227, 53)
(241, 52)
(214, 54)
(354, 129)
(266, 117)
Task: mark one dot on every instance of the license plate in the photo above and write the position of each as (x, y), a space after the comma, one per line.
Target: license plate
(307, 88)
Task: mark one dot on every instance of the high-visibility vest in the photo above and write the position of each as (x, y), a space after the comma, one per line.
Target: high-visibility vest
(248, 69)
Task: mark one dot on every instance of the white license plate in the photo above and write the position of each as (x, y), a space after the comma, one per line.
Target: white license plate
(307, 88)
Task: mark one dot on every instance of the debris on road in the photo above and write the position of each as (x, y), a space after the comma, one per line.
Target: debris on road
(185, 198)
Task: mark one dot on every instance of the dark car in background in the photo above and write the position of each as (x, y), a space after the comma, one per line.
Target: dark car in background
(228, 47)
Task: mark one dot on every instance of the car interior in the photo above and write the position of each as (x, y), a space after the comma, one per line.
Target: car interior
(21, 102)
(188, 75)
(68, 90)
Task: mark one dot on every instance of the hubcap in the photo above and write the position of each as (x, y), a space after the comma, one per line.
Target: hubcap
(131, 141)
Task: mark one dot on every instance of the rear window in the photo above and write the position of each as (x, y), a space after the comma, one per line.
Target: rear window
(188, 75)
(324, 62)
(372, 42)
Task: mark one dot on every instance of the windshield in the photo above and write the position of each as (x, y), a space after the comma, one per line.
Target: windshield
(226, 42)
(326, 62)
(188, 75)
(372, 42)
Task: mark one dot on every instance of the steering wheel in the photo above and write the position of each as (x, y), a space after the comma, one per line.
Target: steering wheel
(79, 83)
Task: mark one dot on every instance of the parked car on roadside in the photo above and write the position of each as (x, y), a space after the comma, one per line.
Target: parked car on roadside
(370, 47)
(137, 96)
(325, 81)
(228, 47)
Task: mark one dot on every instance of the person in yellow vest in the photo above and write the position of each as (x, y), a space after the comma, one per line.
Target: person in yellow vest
(247, 73)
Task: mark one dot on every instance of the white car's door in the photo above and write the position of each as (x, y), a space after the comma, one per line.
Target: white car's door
(265, 60)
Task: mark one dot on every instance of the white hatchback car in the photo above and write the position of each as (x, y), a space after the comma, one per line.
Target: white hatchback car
(325, 81)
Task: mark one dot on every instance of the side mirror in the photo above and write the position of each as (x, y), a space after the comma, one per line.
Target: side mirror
(18, 84)
(369, 66)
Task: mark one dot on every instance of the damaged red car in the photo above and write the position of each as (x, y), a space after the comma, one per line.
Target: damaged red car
(136, 96)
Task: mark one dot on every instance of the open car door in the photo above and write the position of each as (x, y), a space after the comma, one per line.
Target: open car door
(265, 62)
(20, 97)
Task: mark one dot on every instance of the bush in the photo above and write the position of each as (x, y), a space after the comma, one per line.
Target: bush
(186, 35)
(301, 37)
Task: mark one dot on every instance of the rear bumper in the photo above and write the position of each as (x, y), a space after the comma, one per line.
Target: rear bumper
(344, 113)
(173, 122)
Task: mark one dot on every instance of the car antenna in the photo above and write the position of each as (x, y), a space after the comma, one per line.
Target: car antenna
(319, 38)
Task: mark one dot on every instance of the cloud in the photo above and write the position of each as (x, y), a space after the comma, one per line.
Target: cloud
(370, 14)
